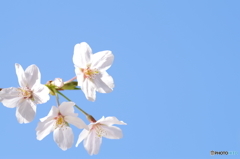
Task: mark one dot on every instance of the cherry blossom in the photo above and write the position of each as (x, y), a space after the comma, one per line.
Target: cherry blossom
(58, 120)
(91, 70)
(102, 128)
(25, 98)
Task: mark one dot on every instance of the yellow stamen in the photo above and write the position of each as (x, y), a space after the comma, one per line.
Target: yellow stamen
(99, 130)
(26, 93)
(89, 73)
(60, 121)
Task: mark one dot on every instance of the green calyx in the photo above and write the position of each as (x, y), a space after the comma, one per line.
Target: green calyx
(70, 86)
(67, 86)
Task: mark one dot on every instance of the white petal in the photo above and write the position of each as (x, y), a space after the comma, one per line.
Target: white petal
(92, 143)
(26, 111)
(112, 132)
(78, 71)
(44, 128)
(82, 136)
(107, 79)
(21, 75)
(102, 60)
(88, 89)
(66, 109)
(63, 137)
(100, 120)
(82, 55)
(104, 83)
(58, 136)
(32, 75)
(112, 120)
(40, 94)
(52, 114)
(80, 76)
(12, 103)
(10, 97)
(79, 123)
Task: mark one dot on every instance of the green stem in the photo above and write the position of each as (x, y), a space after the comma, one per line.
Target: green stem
(57, 98)
(74, 105)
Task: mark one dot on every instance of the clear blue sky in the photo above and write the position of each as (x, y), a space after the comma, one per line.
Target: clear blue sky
(176, 72)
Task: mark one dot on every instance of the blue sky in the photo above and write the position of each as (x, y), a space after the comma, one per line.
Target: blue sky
(176, 73)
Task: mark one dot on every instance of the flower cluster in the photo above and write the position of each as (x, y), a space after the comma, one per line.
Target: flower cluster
(91, 76)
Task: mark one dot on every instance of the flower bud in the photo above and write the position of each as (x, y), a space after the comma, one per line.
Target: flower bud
(58, 82)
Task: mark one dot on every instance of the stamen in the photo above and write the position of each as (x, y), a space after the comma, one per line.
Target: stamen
(89, 73)
(26, 93)
(99, 130)
(60, 122)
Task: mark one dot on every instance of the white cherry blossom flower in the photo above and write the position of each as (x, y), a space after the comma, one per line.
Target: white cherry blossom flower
(102, 128)
(58, 120)
(25, 98)
(91, 70)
